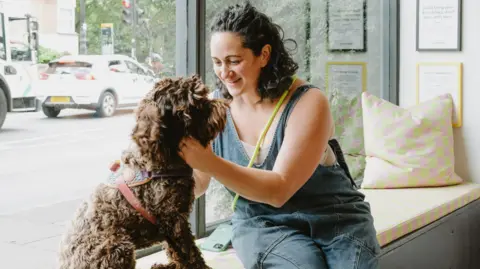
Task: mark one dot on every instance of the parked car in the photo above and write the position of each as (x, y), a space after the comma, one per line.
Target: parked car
(97, 82)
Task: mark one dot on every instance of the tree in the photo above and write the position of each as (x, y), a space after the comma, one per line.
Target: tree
(45, 55)
(155, 31)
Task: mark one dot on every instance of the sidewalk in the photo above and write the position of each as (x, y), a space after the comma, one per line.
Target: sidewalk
(30, 239)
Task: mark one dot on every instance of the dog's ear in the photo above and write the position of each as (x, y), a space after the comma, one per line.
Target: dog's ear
(148, 137)
(215, 117)
(218, 116)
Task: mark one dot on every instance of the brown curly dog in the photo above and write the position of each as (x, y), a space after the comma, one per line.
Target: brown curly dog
(107, 229)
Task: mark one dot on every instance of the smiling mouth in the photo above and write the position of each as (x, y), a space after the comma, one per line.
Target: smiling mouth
(232, 82)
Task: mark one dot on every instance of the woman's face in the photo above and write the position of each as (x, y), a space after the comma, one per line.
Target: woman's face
(237, 67)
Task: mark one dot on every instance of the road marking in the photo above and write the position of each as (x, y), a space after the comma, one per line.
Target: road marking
(53, 143)
(33, 139)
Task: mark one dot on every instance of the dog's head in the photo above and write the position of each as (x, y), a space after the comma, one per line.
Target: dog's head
(175, 108)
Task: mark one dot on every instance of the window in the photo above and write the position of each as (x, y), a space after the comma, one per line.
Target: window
(343, 48)
(62, 68)
(114, 62)
(134, 68)
(67, 157)
(20, 52)
(74, 119)
(118, 66)
(65, 20)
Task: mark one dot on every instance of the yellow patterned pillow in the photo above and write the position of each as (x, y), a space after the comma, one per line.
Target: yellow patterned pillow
(408, 147)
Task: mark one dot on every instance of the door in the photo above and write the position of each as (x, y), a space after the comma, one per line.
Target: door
(143, 83)
(123, 82)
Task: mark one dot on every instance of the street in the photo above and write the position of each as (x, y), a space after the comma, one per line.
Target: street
(47, 167)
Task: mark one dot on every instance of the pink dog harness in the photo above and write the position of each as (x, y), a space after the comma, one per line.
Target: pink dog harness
(124, 178)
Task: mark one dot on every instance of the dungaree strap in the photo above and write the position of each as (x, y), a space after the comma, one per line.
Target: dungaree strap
(333, 143)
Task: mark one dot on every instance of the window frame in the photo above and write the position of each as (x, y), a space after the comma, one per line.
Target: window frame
(190, 59)
(4, 42)
(392, 8)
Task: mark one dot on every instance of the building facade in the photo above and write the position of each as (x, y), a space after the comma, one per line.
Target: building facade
(56, 19)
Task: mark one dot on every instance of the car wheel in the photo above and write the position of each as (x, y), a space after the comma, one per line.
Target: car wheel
(3, 107)
(51, 112)
(108, 105)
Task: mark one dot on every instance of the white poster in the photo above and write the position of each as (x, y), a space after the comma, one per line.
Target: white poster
(438, 79)
(438, 25)
(346, 25)
(348, 79)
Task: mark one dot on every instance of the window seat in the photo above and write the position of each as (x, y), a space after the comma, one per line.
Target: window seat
(397, 213)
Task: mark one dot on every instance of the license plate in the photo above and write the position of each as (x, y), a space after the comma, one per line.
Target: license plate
(60, 99)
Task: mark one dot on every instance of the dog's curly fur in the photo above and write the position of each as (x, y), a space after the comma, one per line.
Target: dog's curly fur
(107, 230)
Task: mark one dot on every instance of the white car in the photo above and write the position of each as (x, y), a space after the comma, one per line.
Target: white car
(97, 82)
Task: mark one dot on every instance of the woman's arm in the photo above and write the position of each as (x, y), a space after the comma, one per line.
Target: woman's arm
(202, 181)
(306, 137)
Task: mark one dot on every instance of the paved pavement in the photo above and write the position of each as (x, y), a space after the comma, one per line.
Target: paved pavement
(47, 167)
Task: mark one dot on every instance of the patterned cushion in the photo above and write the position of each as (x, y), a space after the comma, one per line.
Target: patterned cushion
(347, 113)
(408, 147)
(398, 212)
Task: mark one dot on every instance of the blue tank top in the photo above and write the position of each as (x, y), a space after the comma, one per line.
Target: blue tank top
(327, 186)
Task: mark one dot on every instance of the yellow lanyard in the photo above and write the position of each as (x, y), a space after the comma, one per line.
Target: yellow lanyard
(264, 133)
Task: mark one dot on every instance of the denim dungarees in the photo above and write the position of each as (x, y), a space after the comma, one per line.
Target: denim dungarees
(326, 224)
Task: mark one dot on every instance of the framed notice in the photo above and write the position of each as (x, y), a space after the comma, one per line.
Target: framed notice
(349, 78)
(107, 38)
(439, 25)
(346, 25)
(434, 79)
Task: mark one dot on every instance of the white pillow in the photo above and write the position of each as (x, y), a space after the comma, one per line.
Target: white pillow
(408, 147)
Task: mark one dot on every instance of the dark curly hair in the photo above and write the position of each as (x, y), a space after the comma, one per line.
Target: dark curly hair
(258, 30)
(175, 108)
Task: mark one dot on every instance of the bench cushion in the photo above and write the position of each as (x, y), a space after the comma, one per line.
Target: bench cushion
(398, 212)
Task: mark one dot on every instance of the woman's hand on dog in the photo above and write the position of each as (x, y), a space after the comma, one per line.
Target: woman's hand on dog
(195, 155)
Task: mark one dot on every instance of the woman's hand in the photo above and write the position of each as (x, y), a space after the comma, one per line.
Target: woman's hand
(195, 155)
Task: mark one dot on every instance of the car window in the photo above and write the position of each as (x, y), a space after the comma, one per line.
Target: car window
(114, 62)
(68, 67)
(136, 69)
(118, 66)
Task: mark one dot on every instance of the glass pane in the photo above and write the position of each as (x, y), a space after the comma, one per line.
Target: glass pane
(349, 46)
(74, 117)
(66, 18)
(18, 40)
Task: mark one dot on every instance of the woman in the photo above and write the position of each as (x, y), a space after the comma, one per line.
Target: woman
(297, 208)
